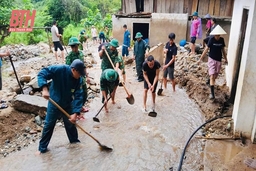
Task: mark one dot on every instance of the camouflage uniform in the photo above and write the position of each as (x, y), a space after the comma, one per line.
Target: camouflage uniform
(121, 64)
(105, 64)
(69, 59)
(82, 39)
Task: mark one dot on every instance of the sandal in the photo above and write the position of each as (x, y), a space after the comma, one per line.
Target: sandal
(3, 106)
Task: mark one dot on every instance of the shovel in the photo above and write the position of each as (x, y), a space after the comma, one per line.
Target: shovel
(130, 97)
(95, 119)
(160, 90)
(152, 113)
(102, 147)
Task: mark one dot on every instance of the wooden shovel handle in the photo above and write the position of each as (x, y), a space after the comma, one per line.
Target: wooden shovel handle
(65, 113)
(114, 68)
(126, 89)
(109, 59)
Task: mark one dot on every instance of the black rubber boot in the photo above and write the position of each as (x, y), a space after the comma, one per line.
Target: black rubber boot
(212, 96)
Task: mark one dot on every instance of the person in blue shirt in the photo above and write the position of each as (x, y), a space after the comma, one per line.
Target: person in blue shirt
(66, 90)
(102, 37)
(126, 43)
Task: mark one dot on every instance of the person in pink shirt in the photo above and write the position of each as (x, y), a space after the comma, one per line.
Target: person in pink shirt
(208, 27)
(195, 32)
(208, 24)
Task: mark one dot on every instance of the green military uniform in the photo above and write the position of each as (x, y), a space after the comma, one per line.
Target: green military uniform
(107, 82)
(105, 64)
(72, 56)
(79, 55)
(121, 64)
(82, 38)
(140, 48)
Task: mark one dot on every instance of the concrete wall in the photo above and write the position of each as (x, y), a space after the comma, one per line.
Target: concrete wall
(160, 26)
(245, 100)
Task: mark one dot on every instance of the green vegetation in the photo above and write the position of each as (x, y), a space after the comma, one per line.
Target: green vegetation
(71, 15)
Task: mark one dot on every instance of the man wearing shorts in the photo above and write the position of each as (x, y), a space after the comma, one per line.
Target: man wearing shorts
(216, 45)
(171, 52)
(195, 32)
(56, 41)
(150, 73)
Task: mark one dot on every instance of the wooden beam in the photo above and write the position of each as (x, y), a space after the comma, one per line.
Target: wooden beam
(229, 8)
(217, 8)
(203, 7)
(155, 6)
(211, 7)
(194, 5)
(223, 5)
(187, 7)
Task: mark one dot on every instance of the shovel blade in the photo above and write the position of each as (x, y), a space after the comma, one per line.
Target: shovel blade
(130, 99)
(152, 114)
(96, 119)
(159, 92)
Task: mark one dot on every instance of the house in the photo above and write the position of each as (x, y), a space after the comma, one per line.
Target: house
(241, 69)
(155, 19)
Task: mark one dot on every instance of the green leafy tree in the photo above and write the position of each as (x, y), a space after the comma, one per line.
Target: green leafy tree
(5, 11)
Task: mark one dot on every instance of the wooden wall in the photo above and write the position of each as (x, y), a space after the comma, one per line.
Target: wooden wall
(217, 8)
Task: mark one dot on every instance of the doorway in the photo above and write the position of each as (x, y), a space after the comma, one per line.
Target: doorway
(143, 28)
(239, 55)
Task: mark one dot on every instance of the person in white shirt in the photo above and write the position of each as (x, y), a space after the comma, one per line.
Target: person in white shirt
(56, 41)
(94, 34)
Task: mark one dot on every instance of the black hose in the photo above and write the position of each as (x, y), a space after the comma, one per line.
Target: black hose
(184, 150)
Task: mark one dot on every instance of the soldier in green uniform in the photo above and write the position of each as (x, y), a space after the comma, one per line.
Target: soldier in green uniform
(78, 54)
(108, 83)
(122, 68)
(113, 54)
(82, 38)
(140, 52)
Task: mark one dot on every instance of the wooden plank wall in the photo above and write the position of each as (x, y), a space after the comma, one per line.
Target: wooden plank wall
(148, 7)
(217, 8)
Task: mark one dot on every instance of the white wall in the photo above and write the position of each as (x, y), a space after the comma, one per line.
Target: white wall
(244, 106)
(160, 26)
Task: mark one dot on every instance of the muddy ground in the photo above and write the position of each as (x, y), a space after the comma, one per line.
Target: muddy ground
(21, 128)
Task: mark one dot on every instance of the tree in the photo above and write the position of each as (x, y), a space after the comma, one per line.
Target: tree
(6, 7)
(5, 11)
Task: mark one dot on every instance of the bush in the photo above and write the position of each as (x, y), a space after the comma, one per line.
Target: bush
(71, 31)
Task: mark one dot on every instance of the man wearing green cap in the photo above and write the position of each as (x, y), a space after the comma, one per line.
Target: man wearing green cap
(82, 38)
(108, 83)
(78, 54)
(140, 52)
(113, 54)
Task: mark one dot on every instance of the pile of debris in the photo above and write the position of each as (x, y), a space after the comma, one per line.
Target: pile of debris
(22, 52)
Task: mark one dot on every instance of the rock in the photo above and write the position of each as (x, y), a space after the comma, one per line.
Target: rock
(59, 124)
(27, 129)
(33, 131)
(25, 79)
(30, 104)
(39, 129)
(128, 61)
(38, 120)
